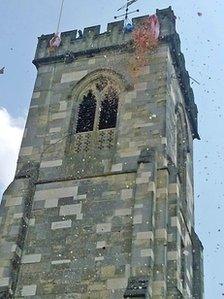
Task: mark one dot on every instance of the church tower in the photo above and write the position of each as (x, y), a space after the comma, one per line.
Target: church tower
(102, 203)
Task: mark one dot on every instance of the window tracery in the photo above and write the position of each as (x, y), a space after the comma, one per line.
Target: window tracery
(99, 107)
(95, 114)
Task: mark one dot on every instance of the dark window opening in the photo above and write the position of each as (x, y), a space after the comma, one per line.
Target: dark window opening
(108, 113)
(86, 115)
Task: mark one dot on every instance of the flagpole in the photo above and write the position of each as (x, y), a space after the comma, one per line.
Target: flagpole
(59, 19)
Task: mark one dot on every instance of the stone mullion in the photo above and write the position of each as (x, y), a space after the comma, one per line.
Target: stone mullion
(160, 243)
(97, 111)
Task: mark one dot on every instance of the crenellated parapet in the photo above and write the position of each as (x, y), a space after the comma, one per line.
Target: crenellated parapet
(93, 42)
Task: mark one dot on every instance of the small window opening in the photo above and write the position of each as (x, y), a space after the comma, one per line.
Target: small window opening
(86, 115)
(108, 113)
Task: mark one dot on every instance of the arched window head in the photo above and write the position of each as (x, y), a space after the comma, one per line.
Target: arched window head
(108, 110)
(86, 113)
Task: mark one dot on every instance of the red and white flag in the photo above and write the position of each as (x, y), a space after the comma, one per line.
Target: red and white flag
(55, 41)
(154, 25)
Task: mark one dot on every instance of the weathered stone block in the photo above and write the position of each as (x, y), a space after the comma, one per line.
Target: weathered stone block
(26, 151)
(117, 283)
(147, 253)
(55, 130)
(58, 115)
(31, 258)
(13, 201)
(4, 281)
(53, 163)
(103, 228)
(61, 224)
(101, 244)
(116, 167)
(144, 235)
(29, 290)
(108, 271)
(137, 219)
(74, 209)
(73, 76)
(60, 262)
(123, 212)
(51, 203)
(126, 193)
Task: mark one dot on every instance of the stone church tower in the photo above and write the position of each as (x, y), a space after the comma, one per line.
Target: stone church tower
(101, 206)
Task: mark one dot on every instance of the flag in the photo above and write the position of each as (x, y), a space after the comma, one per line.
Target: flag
(154, 26)
(55, 41)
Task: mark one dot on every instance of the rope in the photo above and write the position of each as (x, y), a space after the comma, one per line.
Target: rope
(59, 19)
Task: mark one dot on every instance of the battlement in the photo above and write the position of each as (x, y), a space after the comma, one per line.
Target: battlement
(92, 40)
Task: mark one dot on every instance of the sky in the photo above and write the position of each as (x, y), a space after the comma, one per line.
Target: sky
(202, 37)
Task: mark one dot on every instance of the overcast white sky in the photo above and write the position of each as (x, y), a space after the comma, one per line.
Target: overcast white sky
(21, 21)
(11, 130)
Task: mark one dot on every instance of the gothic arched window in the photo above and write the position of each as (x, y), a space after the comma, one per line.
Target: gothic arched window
(99, 107)
(86, 115)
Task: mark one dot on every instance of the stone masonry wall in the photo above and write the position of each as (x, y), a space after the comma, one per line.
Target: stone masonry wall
(102, 214)
(87, 225)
